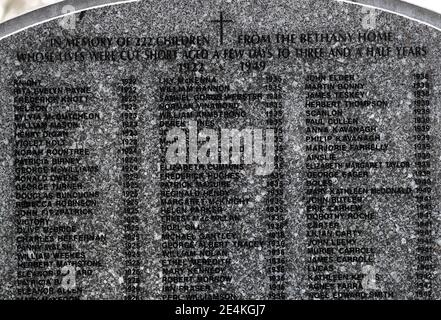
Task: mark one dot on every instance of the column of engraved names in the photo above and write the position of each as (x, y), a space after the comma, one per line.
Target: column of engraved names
(275, 202)
(338, 262)
(423, 178)
(128, 90)
(50, 194)
(195, 189)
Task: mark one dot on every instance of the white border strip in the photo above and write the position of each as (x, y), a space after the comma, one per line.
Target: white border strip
(393, 12)
(67, 14)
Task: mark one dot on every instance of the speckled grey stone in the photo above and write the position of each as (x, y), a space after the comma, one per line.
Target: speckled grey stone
(391, 232)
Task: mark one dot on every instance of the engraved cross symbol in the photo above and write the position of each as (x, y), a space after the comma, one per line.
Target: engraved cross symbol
(221, 22)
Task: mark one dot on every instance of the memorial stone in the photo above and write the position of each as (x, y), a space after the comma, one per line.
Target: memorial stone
(220, 150)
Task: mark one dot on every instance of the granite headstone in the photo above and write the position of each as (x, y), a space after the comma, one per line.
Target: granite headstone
(205, 150)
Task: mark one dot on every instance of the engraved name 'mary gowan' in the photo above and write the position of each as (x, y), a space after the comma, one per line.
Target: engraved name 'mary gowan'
(222, 146)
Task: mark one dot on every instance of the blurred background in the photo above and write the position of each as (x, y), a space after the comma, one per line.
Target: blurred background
(12, 8)
(434, 5)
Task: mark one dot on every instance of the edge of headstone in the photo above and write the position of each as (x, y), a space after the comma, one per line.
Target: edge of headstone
(52, 12)
(404, 9)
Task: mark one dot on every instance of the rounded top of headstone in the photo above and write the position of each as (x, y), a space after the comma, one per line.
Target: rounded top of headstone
(68, 7)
